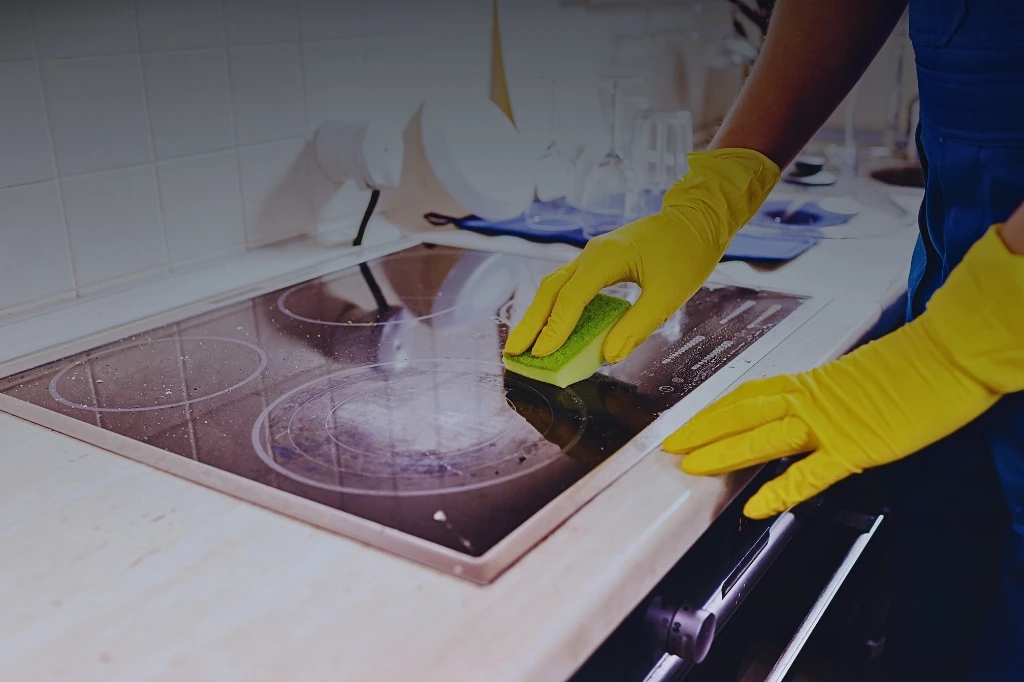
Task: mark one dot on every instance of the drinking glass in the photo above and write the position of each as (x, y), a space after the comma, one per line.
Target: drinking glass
(610, 192)
(661, 142)
(554, 176)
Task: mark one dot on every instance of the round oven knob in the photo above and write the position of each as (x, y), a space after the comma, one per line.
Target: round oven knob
(691, 633)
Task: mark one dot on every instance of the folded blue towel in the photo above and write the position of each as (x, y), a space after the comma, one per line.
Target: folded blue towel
(746, 245)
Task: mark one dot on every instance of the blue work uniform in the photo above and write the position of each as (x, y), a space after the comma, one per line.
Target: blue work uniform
(957, 610)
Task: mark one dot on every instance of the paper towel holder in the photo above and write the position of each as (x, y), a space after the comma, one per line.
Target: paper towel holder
(369, 154)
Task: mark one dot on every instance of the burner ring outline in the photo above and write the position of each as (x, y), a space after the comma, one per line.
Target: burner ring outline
(310, 320)
(263, 422)
(321, 393)
(330, 417)
(93, 408)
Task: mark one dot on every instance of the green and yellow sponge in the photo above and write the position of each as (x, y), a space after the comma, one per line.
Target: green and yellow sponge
(580, 356)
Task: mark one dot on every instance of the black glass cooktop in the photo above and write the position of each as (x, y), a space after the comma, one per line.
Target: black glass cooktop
(379, 391)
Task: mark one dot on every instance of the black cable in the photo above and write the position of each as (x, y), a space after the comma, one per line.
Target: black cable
(371, 283)
(374, 196)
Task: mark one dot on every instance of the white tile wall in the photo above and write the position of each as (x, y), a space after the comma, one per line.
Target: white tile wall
(266, 90)
(251, 22)
(15, 32)
(34, 260)
(25, 152)
(97, 112)
(275, 190)
(413, 17)
(189, 102)
(334, 82)
(397, 74)
(178, 130)
(328, 19)
(179, 25)
(80, 28)
(202, 206)
(114, 226)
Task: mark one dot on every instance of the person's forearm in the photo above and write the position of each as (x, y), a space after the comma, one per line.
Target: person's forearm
(1013, 232)
(814, 53)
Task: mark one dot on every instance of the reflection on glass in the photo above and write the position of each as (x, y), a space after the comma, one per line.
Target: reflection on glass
(661, 142)
(379, 391)
(610, 192)
(615, 412)
(554, 175)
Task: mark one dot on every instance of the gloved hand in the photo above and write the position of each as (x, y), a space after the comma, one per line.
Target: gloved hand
(668, 254)
(882, 402)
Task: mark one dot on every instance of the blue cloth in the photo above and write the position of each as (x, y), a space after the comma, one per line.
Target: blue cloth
(746, 245)
(809, 215)
(957, 610)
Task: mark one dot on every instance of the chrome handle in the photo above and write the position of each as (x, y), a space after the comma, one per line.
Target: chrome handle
(796, 645)
(683, 631)
(686, 634)
(667, 669)
(734, 589)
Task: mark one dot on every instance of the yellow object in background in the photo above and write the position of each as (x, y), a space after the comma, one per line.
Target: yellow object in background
(499, 83)
(668, 254)
(882, 402)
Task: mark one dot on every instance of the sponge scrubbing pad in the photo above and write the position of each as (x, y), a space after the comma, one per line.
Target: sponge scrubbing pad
(580, 355)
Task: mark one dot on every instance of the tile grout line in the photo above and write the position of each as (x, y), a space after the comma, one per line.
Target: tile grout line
(57, 177)
(189, 417)
(152, 142)
(171, 159)
(225, 53)
(234, 130)
(300, 46)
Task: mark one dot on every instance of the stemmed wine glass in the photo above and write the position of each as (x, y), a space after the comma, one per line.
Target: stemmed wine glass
(609, 194)
(554, 176)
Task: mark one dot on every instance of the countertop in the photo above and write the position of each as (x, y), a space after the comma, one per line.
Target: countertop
(111, 571)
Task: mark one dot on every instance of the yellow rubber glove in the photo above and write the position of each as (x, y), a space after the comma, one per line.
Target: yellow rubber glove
(882, 402)
(668, 254)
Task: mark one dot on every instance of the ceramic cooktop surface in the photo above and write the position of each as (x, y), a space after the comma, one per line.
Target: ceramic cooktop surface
(372, 401)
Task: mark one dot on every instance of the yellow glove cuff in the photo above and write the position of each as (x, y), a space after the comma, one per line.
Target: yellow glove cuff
(723, 189)
(977, 316)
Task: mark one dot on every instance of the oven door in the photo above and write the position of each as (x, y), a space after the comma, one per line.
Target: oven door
(818, 571)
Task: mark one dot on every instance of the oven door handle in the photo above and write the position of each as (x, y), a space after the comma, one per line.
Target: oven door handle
(810, 622)
(671, 667)
(687, 633)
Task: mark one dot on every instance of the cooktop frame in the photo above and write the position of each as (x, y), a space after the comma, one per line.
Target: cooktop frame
(481, 570)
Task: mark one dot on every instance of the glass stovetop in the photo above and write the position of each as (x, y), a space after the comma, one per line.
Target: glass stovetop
(376, 397)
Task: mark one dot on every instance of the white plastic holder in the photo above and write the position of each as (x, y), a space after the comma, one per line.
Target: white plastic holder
(369, 154)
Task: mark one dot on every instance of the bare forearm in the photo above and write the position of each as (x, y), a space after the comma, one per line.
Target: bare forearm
(814, 53)
(1013, 232)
